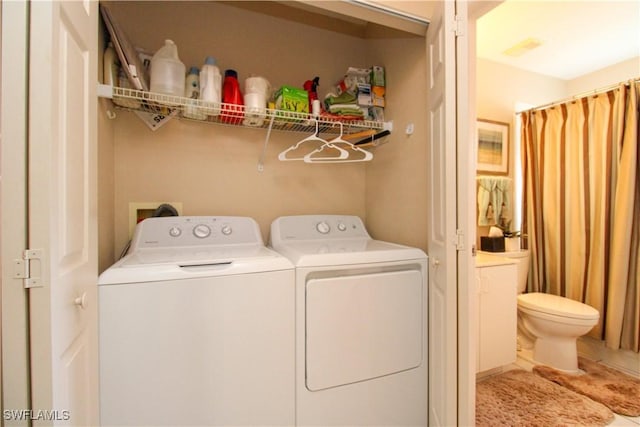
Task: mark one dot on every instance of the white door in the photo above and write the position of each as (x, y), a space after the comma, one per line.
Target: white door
(466, 216)
(62, 216)
(443, 241)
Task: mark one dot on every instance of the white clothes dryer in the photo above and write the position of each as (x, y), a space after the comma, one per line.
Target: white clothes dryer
(361, 323)
(197, 327)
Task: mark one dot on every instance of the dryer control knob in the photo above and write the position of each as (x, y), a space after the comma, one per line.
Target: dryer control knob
(226, 230)
(342, 226)
(201, 231)
(323, 227)
(175, 232)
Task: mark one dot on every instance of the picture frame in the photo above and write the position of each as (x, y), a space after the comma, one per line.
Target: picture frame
(493, 147)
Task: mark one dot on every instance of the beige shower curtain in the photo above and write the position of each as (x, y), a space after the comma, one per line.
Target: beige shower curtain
(582, 207)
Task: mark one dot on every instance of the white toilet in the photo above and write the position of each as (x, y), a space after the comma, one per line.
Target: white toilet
(554, 322)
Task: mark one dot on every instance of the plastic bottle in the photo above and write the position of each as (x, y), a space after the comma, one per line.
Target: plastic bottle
(167, 71)
(111, 66)
(210, 86)
(192, 91)
(256, 93)
(232, 108)
(123, 82)
(311, 86)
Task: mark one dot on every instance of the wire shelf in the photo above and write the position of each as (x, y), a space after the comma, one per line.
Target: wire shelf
(236, 115)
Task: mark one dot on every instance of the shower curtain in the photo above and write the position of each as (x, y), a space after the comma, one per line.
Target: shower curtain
(582, 207)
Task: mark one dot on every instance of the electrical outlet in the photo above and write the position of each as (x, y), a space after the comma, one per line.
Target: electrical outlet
(142, 210)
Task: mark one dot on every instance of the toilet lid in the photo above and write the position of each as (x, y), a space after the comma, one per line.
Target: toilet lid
(560, 306)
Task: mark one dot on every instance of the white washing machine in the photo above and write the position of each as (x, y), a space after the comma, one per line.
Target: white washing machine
(197, 327)
(361, 323)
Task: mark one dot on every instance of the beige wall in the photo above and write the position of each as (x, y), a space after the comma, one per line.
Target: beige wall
(212, 169)
(396, 197)
(620, 72)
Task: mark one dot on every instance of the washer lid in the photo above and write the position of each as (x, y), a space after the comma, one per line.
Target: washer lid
(560, 306)
(345, 252)
(162, 264)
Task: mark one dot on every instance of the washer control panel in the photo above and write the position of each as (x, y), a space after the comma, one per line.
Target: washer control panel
(175, 231)
(317, 227)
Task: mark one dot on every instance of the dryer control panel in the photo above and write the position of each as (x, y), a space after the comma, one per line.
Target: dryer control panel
(317, 227)
(190, 231)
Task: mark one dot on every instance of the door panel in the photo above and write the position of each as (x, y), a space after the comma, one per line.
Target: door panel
(62, 209)
(442, 217)
(362, 327)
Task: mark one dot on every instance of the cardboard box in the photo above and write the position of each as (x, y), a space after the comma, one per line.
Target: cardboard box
(492, 244)
(364, 95)
(290, 98)
(377, 76)
(377, 96)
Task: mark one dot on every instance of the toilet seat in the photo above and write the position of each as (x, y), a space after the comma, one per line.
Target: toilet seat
(557, 305)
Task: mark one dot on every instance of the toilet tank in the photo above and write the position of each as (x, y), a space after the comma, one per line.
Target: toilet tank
(522, 257)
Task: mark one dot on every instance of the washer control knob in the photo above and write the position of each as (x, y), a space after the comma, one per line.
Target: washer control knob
(175, 232)
(342, 226)
(323, 227)
(226, 230)
(201, 231)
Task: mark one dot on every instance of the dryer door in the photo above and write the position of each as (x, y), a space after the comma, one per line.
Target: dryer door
(362, 327)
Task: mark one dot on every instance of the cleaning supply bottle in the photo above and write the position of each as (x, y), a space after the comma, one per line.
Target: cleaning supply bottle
(311, 86)
(111, 66)
(210, 86)
(167, 71)
(233, 103)
(192, 91)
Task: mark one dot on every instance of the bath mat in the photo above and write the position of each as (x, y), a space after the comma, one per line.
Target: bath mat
(520, 398)
(618, 391)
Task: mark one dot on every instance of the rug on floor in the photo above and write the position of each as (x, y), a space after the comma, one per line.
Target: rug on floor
(614, 389)
(521, 398)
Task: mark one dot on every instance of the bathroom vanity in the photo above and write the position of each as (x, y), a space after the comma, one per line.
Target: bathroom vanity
(496, 279)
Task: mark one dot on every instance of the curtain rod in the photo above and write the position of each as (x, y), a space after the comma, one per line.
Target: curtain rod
(583, 95)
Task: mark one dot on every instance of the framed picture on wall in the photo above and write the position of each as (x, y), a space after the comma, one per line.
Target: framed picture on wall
(493, 147)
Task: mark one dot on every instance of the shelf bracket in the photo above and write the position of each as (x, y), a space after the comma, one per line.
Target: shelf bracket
(264, 148)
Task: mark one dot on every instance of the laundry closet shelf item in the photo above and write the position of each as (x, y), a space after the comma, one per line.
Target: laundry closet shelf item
(230, 114)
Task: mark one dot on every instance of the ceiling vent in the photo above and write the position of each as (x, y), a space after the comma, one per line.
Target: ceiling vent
(523, 47)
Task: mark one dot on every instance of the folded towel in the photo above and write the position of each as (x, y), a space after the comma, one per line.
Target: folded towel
(348, 109)
(343, 98)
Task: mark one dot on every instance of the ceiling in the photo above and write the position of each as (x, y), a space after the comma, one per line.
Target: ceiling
(576, 37)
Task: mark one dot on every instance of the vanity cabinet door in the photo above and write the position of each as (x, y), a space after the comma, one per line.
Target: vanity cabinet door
(497, 301)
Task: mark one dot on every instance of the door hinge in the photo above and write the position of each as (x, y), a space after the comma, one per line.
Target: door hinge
(459, 26)
(459, 240)
(29, 268)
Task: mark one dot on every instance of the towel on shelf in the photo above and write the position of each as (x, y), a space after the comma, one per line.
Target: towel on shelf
(346, 109)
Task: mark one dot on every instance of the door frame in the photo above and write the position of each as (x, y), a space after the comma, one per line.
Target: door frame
(14, 331)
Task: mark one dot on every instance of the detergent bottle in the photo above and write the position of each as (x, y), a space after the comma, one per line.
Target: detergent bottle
(233, 103)
(192, 91)
(210, 86)
(167, 71)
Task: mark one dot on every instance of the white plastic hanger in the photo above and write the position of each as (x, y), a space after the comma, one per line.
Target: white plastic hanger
(310, 158)
(283, 155)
